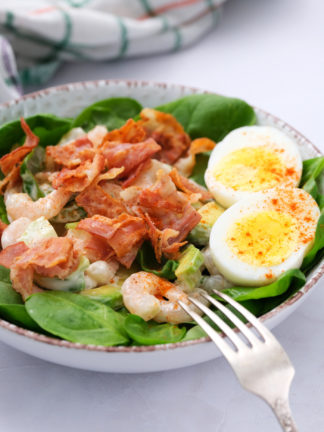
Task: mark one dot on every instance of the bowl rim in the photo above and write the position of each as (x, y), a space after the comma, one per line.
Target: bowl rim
(161, 347)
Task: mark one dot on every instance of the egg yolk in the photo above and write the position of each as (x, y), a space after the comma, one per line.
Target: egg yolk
(266, 238)
(250, 169)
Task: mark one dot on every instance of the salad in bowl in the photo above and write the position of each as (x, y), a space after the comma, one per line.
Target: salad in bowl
(112, 216)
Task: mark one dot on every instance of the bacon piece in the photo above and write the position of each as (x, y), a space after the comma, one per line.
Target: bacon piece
(50, 257)
(135, 174)
(95, 200)
(11, 179)
(32, 140)
(10, 160)
(128, 155)
(189, 187)
(131, 132)
(22, 280)
(124, 234)
(167, 132)
(72, 154)
(186, 164)
(168, 208)
(91, 246)
(10, 253)
(76, 180)
(162, 240)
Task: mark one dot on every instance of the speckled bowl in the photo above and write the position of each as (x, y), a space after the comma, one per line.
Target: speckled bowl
(69, 100)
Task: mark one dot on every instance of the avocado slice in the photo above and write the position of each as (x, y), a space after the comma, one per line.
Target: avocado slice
(188, 272)
(110, 295)
(209, 212)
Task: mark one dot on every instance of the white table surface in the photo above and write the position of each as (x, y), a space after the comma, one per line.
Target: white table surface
(271, 54)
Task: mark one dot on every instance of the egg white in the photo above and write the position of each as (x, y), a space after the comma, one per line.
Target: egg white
(231, 265)
(251, 136)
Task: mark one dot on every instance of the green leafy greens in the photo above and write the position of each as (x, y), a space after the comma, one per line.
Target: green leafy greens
(77, 318)
(274, 289)
(313, 178)
(209, 115)
(152, 333)
(146, 260)
(311, 257)
(113, 113)
(3, 211)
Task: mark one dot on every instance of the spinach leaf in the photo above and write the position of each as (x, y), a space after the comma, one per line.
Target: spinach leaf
(3, 211)
(312, 178)
(146, 260)
(48, 127)
(152, 333)
(195, 332)
(8, 295)
(32, 164)
(76, 318)
(274, 289)
(198, 173)
(5, 274)
(309, 260)
(17, 314)
(113, 113)
(209, 115)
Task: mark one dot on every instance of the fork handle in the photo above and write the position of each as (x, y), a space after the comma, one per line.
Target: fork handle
(282, 411)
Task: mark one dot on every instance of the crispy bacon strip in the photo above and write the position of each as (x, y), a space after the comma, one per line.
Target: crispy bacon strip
(10, 160)
(186, 164)
(22, 280)
(189, 187)
(131, 132)
(95, 200)
(124, 234)
(128, 155)
(91, 246)
(11, 179)
(167, 132)
(135, 174)
(168, 208)
(76, 180)
(162, 241)
(10, 253)
(72, 154)
(51, 257)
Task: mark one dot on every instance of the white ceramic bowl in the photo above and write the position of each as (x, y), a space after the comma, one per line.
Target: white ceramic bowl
(69, 100)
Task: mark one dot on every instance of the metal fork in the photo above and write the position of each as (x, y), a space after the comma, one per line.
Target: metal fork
(259, 361)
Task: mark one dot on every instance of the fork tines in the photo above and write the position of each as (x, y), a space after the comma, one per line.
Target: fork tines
(237, 342)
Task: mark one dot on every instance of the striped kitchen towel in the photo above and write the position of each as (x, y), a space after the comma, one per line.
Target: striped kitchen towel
(37, 35)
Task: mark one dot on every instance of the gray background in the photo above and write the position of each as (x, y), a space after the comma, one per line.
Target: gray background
(271, 54)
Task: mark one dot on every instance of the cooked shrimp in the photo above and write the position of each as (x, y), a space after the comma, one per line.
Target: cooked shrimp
(20, 204)
(13, 231)
(152, 297)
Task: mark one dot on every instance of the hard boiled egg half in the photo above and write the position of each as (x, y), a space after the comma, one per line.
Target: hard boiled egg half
(252, 159)
(257, 239)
